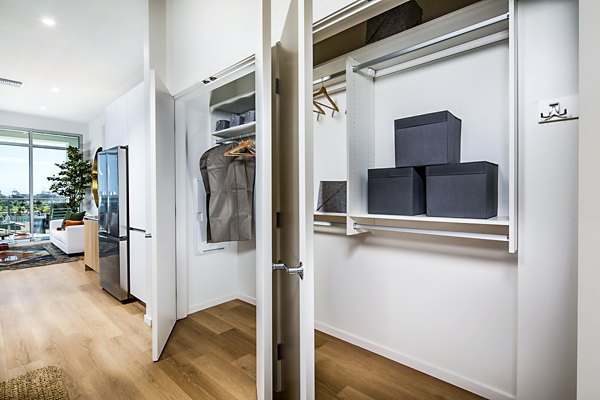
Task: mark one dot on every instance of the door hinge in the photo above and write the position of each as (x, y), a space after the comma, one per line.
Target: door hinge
(279, 351)
(277, 85)
(278, 220)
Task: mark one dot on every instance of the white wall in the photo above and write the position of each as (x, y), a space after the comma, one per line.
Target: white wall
(444, 306)
(547, 321)
(588, 384)
(200, 41)
(18, 120)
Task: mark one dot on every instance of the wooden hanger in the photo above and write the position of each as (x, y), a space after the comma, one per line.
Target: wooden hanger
(247, 145)
(318, 110)
(323, 91)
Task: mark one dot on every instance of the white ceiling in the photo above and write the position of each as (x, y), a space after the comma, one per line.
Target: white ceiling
(92, 55)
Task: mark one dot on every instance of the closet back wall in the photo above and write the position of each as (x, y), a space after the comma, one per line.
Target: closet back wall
(443, 306)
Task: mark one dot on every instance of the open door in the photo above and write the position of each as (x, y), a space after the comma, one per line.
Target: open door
(294, 278)
(162, 214)
(264, 195)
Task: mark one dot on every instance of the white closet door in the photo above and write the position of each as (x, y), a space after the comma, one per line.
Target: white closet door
(162, 206)
(295, 295)
(264, 207)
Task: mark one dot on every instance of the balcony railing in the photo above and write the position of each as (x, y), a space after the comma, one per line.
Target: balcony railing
(15, 215)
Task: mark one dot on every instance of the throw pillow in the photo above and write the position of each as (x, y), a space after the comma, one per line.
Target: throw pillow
(72, 223)
(77, 216)
(67, 215)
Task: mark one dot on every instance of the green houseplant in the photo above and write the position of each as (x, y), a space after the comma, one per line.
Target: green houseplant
(73, 179)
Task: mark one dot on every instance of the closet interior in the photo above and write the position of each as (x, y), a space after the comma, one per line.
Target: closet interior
(459, 58)
(459, 62)
(216, 126)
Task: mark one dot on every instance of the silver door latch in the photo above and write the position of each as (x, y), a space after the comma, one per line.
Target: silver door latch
(290, 270)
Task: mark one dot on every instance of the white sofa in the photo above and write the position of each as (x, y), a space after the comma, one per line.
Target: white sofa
(69, 240)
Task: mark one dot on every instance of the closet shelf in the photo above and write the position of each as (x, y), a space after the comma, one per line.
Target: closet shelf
(330, 214)
(236, 130)
(236, 105)
(497, 221)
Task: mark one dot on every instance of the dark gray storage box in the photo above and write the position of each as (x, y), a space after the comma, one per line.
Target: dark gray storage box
(396, 191)
(236, 120)
(427, 139)
(222, 124)
(332, 197)
(398, 19)
(249, 116)
(468, 190)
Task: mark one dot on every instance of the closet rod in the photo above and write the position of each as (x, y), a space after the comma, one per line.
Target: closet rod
(234, 138)
(431, 42)
(465, 235)
(328, 77)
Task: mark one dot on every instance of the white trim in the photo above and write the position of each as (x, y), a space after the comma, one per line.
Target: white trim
(211, 303)
(148, 320)
(247, 299)
(448, 376)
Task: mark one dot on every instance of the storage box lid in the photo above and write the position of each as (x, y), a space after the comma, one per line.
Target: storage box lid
(470, 168)
(424, 119)
(391, 172)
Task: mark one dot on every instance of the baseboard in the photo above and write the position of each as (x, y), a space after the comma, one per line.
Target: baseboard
(247, 299)
(448, 376)
(148, 320)
(211, 303)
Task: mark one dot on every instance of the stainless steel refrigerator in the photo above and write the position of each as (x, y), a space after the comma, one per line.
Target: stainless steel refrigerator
(113, 222)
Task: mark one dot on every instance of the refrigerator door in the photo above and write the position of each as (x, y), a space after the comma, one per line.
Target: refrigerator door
(102, 193)
(112, 162)
(114, 271)
(123, 191)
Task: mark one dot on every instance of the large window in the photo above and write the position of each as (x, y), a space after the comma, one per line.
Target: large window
(27, 159)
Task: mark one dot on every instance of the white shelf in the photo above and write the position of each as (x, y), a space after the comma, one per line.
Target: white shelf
(236, 105)
(236, 130)
(497, 221)
(330, 214)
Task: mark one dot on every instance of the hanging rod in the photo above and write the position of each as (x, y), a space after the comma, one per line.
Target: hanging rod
(328, 77)
(234, 138)
(431, 42)
(465, 235)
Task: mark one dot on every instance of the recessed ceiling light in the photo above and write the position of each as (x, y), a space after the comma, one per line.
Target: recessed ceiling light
(43, 108)
(55, 90)
(10, 82)
(48, 21)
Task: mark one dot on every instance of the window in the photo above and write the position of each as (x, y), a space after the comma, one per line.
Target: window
(27, 159)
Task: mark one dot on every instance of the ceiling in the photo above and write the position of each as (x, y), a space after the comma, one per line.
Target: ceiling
(74, 69)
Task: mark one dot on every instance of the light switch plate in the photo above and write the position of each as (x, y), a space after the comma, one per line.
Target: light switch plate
(558, 109)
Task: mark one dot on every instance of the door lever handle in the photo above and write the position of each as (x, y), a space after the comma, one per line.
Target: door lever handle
(290, 270)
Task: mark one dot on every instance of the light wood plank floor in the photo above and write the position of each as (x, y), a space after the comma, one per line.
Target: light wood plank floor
(58, 315)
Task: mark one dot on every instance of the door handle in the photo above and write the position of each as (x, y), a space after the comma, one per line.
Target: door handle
(290, 270)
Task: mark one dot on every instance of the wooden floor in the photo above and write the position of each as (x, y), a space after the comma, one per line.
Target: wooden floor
(344, 371)
(58, 315)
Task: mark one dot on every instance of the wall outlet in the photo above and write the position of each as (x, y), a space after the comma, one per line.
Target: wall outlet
(558, 109)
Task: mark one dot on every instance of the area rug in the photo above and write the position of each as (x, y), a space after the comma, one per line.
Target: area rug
(34, 255)
(42, 384)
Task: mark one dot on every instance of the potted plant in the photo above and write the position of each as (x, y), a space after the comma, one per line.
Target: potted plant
(73, 179)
